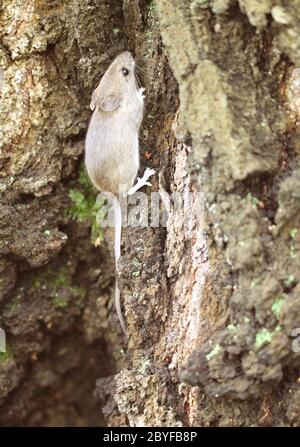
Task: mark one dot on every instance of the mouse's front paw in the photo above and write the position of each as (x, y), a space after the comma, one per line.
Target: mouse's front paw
(141, 92)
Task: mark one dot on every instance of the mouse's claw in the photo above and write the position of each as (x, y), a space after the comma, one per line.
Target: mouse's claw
(149, 172)
(142, 181)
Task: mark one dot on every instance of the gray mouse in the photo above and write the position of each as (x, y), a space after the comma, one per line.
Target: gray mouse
(112, 141)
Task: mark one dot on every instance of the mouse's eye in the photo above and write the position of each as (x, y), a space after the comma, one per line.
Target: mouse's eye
(125, 71)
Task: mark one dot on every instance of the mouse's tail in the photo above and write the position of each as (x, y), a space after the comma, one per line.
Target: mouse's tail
(117, 247)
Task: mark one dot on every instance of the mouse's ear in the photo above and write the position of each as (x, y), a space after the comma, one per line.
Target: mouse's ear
(110, 102)
(106, 98)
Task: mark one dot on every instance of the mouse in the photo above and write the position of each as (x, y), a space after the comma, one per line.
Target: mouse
(112, 143)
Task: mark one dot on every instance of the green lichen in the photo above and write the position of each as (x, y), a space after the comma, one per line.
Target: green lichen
(233, 330)
(293, 236)
(213, 352)
(262, 337)
(203, 4)
(151, 22)
(277, 305)
(85, 208)
(293, 233)
(151, 9)
(149, 36)
(290, 280)
(254, 283)
(293, 251)
(253, 200)
(144, 365)
(265, 336)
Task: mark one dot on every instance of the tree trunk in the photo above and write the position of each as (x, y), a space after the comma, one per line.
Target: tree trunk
(210, 310)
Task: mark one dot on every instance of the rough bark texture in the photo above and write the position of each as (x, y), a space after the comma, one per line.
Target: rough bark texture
(210, 316)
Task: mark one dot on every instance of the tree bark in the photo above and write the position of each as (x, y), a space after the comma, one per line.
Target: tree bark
(211, 311)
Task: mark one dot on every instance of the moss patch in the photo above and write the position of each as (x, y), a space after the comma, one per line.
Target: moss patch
(5, 356)
(61, 288)
(85, 208)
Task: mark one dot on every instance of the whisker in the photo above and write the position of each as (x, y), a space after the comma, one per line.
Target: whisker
(140, 67)
(144, 76)
(100, 75)
(137, 80)
(142, 70)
